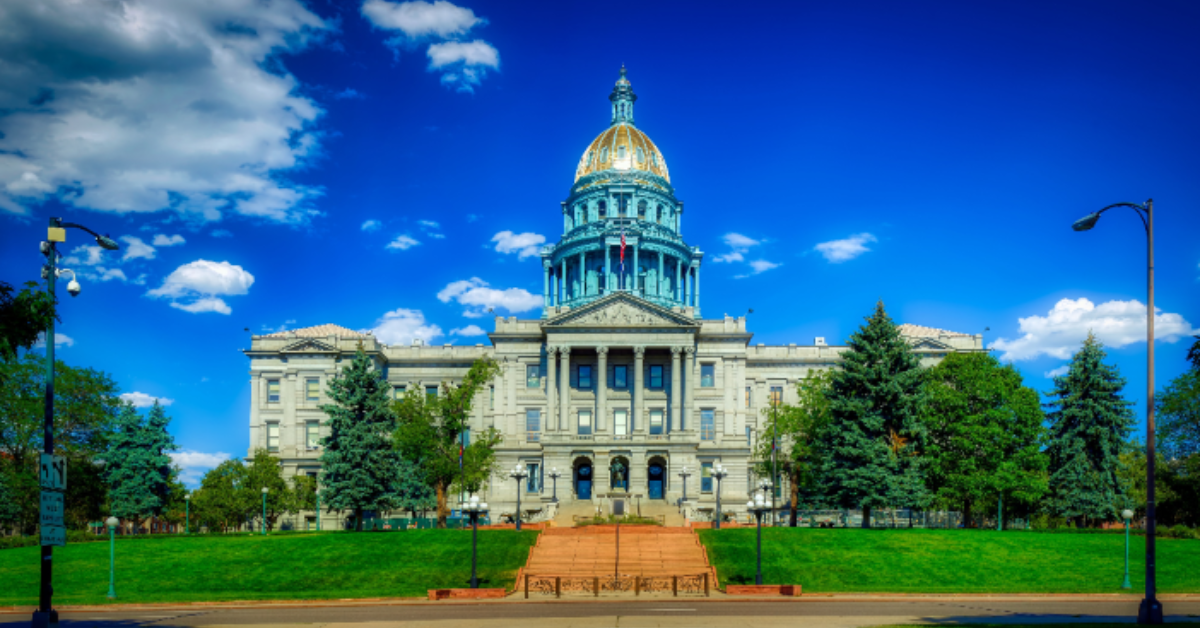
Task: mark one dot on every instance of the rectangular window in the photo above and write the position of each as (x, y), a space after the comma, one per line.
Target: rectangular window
(656, 421)
(747, 396)
(272, 391)
(776, 395)
(398, 392)
(656, 378)
(312, 389)
(620, 422)
(749, 438)
(533, 483)
(585, 422)
(706, 481)
(272, 437)
(431, 392)
(533, 376)
(533, 425)
(708, 426)
(585, 376)
(491, 397)
(312, 434)
(708, 375)
(620, 376)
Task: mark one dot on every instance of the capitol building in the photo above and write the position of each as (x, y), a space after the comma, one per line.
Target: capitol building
(621, 367)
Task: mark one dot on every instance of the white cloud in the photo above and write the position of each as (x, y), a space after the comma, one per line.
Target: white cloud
(136, 249)
(758, 266)
(142, 400)
(523, 244)
(463, 65)
(1058, 372)
(371, 225)
(1060, 333)
(402, 326)
(200, 282)
(166, 240)
(479, 297)
(349, 94)
(85, 255)
(431, 224)
(469, 330)
(417, 20)
(194, 464)
(267, 329)
(402, 243)
(142, 106)
(109, 274)
(739, 245)
(60, 340)
(838, 251)
(430, 228)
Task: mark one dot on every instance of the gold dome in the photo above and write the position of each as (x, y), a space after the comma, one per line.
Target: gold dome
(622, 147)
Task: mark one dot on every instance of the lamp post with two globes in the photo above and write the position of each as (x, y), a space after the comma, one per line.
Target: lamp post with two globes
(518, 474)
(554, 475)
(719, 473)
(474, 509)
(264, 514)
(758, 506)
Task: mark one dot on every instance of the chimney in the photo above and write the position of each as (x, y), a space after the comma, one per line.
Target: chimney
(819, 341)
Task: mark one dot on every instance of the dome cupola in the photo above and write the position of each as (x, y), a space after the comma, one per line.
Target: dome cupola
(622, 146)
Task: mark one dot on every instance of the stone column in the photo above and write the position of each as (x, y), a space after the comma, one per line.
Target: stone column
(689, 392)
(636, 289)
(676, 391)
(607, 268)
(562, 281)
(697, 284)
(601, 388)
(583, 273)
(639, 395)
(679, 280)
(546, 283)
(564, 384)
(658, 291)
(551, 383)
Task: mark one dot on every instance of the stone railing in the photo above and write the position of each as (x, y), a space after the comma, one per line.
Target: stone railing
(673, 584)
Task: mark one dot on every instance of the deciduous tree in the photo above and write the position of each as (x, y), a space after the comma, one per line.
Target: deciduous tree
(1177, 409)
(800, 428)
(223, 498)
(23, 317)
(266, 471)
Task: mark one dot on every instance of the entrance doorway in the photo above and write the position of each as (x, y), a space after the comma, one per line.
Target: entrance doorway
(656, 476)
(583, 479)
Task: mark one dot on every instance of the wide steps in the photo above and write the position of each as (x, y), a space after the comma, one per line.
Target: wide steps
(592, 551)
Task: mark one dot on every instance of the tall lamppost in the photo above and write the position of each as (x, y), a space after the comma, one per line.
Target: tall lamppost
(112, 522)
(1150, 611)
(45, 615)
(518, 473)
(774, 454)
(1126, 514)
(684, 473)
(474, 510)
(719, 473)
(554, 475)
(758, 506)
(187, 516)
(264, 521)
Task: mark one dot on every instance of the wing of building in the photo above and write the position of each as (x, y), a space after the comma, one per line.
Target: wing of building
(621, 366)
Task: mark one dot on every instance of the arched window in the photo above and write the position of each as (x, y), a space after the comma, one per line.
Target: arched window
(642, 210)
(621, 152)
(583, 217)
(604, 154)
(602, 209)
(662, 218)
(654, 158)
(641, 155)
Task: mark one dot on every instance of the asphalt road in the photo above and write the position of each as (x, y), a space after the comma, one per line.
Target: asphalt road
(750, 613)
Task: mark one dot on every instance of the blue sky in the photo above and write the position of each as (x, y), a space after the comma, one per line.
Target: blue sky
(276, 164)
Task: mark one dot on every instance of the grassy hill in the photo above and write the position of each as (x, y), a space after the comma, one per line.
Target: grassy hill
(252, 567)
(948, 561)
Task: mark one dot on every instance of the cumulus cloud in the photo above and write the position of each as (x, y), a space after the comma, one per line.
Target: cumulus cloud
(469, 330)
(431, 228)
(194, 464)
(523, 244)
(1058, 372)
(142, 400)
(739, 245)
(166, 240)
(349, 94)
(479, 297)
(196, 287)
(838, 251)
(462, 64)
(86, 255)
(142, 106)
(402, 243)
(371, 225)
(402, 326)
(758, 266)
(136, 249)
(1061, 332)
(60, 340)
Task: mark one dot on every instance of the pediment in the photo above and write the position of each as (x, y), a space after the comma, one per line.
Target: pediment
(309, 345)
(927, 344)
(621, 310)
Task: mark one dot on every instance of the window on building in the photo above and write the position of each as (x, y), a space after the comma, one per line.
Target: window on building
(312, 434)
(491, 397)
(585, 422)
(602, 209)
(776, 395)
(533, 425)
(312, 389)
(272, 437)
(620, 376)
(585, 376)
(654, 158)
(641, 155)
(749, 438)
(656, 376)
(642, 209)
(748, 397)
(656, 421)
(533, 483)
(621, 148)
(620, 422)
(431, 392)
(708, 375)
(272, 391)
(604, 154)
(706, 479)
(398, 392)
(533, 377)
(583, 217)
(708, 425)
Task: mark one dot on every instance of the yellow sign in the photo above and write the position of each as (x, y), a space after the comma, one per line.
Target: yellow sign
(57, 234)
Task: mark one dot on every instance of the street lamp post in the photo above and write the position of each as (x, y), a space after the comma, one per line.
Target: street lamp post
(684, 473)
(764, 485)
(759, 507)
(264, 521)
(774, 455)
(554, 475)
(474, 510)
(45, 615)
(1150, 611)
(1126, 514)
(719, 473)
(518, 474)
(187, 516)
(112, 522)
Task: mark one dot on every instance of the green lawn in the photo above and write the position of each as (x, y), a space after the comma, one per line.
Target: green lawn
(293, 566)
(948, 561)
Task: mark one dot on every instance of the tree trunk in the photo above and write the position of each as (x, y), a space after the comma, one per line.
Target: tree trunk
(440, 489)
(358, 517)
(866, 517)
(795, 501)
(967, 513)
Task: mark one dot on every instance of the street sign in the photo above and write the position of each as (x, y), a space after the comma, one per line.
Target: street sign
(54, 473)
(54, 535)
(52, 509)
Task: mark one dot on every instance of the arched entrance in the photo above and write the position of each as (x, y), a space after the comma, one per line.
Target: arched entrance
(618, 474)
(656, 478)
(583, 478)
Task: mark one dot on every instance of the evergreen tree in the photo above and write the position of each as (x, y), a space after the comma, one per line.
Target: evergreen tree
(416, 495)
(360, 464)
(870, 455)
(1090, 423)
(985, 432)
(10, 510)
(137, 467)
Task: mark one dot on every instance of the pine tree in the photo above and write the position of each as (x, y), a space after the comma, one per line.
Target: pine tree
(158, 442)
(1090, 423)
(870, 455)
(128, 468)
(360, 465)
(416, 495)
